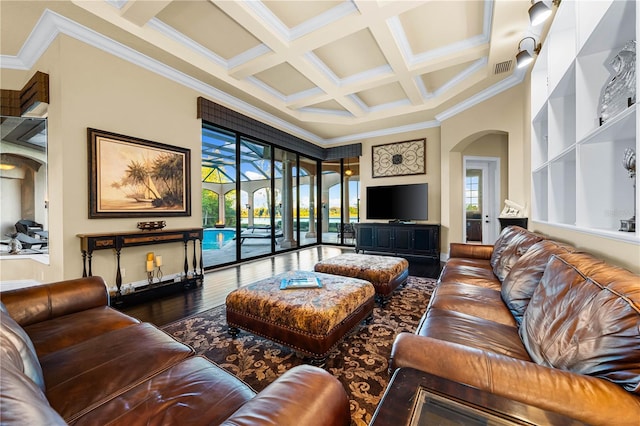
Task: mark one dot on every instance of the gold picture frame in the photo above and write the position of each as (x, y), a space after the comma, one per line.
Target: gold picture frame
(399, 158)
(132, 177)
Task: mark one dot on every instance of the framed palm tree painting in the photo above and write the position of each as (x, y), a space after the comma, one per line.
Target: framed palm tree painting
(132, 177)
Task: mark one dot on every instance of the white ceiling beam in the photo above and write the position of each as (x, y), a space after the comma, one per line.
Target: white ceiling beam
(290, 52)
(390, 50)
(141, 11)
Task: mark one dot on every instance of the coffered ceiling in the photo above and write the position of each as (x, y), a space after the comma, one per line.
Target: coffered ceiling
(326, 71)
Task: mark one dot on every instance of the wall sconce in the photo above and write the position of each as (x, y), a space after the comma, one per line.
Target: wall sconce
(538, 12)
(524, 57)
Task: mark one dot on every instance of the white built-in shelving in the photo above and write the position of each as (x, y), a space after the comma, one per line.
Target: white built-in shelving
(578, 180)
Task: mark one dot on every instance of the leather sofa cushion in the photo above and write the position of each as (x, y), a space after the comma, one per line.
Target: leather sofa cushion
(584, 317)
(22, 401)
(107, 365)
(13, 337)
(512, 243)
(468, 330)
(526, 273)
(470, 271)
(473, 300)
(43, 302)
(61, 332)
(193, 392)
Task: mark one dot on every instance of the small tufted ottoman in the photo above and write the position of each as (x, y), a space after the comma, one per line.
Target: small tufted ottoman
(386, 273)
(309, 320)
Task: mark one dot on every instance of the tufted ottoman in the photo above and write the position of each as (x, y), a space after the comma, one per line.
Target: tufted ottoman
(386, 273)
(308, 320)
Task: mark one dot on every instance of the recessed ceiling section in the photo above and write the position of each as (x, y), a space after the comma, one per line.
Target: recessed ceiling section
(438, 24)
(295, 12)
(383, 95)
(285, 79)
(327, 105)
(352, 55)
(437, 79)
(205, 24)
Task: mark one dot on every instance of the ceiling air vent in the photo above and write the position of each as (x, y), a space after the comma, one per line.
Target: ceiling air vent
(503, 67)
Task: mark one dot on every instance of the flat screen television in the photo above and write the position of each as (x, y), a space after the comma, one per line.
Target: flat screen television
(398, 202)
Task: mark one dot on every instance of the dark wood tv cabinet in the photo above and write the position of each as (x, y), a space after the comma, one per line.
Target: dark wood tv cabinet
(399, 239)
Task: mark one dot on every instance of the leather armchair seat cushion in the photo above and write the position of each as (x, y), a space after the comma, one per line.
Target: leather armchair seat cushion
(23, 402)
(106, 365)
(512, 243)
(68, 330)
(193, 392)
(526, 274)
(18, 347)
(584, 317)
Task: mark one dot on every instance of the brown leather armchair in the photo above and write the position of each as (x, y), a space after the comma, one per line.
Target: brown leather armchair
(67, 357)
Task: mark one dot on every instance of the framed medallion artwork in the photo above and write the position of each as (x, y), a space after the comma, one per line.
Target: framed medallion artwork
(132, 177)
(399, 158)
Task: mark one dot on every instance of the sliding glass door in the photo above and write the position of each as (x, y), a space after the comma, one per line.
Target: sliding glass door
(257, 199)
(340, 200)
(218, 197)
(256, 207)
(308, 190)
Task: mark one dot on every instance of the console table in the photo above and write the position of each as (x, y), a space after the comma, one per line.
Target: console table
(399, 238)
(119, 240)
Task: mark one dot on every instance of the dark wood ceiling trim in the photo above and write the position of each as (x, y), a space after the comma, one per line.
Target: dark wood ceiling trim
(16, 103)
(217, 114)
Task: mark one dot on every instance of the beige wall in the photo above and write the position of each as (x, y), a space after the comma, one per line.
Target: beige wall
(90, 88)
(499, 118)
(493, 145)
(432, 177)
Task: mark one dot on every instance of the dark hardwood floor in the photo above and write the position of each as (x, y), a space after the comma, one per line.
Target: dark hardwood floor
(218, 283)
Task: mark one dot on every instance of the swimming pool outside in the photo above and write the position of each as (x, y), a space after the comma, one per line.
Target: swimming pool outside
(215, 239)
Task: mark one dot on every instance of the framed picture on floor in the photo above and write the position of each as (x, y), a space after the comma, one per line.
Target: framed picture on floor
(132, 177)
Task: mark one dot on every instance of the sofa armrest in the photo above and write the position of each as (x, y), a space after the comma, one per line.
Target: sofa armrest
(470, 251)
(40, 303)
(585, 398)
(304, 395)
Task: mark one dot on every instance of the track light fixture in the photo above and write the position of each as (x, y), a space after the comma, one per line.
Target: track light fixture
(540, 11)
(524, 56)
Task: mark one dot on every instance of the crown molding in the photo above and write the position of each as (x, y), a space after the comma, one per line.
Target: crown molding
(189, 43)
(513, 80)
(385, 132)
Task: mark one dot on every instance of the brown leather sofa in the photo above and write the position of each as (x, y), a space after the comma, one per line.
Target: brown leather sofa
(68, 358)
(538, 322)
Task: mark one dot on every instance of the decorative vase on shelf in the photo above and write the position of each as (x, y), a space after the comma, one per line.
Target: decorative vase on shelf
(620, 91)
(629, 163)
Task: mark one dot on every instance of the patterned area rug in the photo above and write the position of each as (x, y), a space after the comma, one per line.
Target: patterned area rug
(360, 361)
